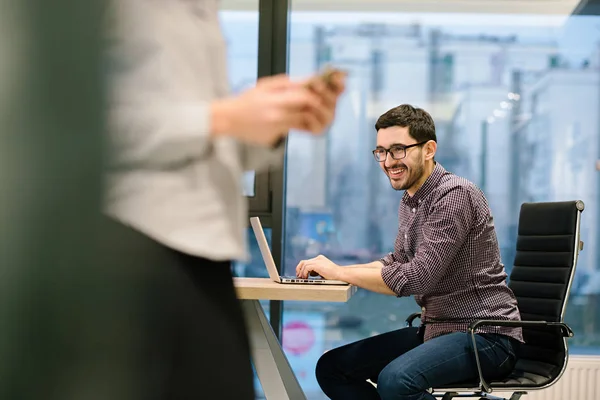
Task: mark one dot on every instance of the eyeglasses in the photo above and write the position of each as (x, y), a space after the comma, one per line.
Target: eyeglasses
(397, 152)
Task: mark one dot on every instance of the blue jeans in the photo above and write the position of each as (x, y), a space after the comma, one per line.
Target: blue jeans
(404, 367)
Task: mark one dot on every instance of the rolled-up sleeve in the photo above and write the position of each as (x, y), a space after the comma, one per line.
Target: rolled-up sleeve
(397, 256)
(444, 232)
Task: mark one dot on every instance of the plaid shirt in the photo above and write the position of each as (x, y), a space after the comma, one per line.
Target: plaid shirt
(447, 256)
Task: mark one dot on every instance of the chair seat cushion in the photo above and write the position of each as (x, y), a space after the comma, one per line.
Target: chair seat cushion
(527, 374)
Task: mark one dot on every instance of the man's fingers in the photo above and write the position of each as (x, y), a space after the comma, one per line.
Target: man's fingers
(299, 268)
(306, 269)
(303, 269)
(309, 270)
(304, 272)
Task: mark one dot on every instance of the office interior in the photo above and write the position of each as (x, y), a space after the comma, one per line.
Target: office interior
(513, 86)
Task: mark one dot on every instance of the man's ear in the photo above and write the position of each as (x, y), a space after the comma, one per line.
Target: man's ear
(430, 149)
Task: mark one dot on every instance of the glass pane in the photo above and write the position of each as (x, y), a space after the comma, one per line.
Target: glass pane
(249, 183)
(240, 28)
(515, 100)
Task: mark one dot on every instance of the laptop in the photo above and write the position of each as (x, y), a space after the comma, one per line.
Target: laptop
(265, 251)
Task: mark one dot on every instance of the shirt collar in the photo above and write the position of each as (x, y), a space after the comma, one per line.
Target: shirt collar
(430, 183)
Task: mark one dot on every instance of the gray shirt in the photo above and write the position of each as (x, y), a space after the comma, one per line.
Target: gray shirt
(168, 178)
(447, 256)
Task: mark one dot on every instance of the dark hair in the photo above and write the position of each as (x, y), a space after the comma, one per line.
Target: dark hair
(420, 124)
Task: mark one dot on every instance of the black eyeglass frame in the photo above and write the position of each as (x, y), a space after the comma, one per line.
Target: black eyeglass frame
(395, 147)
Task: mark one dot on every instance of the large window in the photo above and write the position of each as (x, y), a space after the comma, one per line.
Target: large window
(515, 99)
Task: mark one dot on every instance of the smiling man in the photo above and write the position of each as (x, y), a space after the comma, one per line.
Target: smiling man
(446, 255)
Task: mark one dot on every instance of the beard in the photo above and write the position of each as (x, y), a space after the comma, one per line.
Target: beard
(408, 178)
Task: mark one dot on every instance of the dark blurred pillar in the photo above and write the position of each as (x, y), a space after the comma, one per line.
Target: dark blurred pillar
(54, 305)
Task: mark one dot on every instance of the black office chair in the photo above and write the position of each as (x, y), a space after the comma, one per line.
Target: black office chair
(548, 245)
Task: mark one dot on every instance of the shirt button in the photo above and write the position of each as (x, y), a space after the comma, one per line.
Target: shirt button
(422, 309)
(419, 201)
(405, 236)
(414, 210)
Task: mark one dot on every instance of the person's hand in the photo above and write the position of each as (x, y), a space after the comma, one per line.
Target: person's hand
(265, 113)
(329, 93)
(319, 265)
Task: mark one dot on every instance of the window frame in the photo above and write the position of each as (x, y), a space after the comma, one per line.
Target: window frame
(268, 201)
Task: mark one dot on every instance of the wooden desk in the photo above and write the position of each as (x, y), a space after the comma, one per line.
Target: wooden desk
(272, 366)
(266, 289)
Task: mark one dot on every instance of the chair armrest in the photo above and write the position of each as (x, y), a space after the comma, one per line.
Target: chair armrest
(564, 328)
(411, 318)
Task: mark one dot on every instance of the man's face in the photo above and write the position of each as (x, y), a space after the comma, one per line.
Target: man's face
(407, 172)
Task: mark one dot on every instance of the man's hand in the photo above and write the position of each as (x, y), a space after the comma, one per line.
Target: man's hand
(319, 265)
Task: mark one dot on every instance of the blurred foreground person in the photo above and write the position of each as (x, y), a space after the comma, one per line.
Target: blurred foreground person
(180, 146)
(56, 315)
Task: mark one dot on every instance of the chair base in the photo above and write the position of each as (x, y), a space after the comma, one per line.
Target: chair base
(480, 395)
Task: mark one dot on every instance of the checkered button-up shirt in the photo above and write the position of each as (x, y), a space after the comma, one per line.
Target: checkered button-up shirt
(447, 256)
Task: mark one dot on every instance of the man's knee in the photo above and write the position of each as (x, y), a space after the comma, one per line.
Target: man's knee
(393, 383)
(327, 366)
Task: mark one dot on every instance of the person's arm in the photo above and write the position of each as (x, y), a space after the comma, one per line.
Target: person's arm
(371, 265)
(258, 158)
(163, 109)
(444, 233)
(161, 113)
(366, 276)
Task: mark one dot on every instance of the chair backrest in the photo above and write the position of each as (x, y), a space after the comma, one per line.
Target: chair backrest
(548, 245)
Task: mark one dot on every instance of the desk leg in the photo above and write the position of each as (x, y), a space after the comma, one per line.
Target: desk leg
(272, 366)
